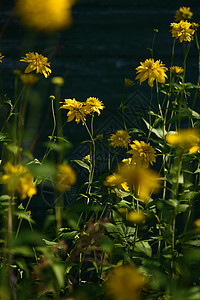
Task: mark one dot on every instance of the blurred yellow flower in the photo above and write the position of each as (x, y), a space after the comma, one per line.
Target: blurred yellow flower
(18, 178)
(137, 217)
(1, 57)
(76, 110)
(86, 158)
(183, 13)
(142, 181)
(65, 178)
(120, 139)
(37, 62)
(151, 70)
(142, 154)
(182, 31)
(45, 15)
(176, 70)
(29, 79)
(125, 283)
(93, 105)
(57, 80)
(188, 139)
(195, 26)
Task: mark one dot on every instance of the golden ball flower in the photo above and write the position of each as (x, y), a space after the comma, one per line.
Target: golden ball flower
(142, 154)
(57, 80)
(151, 70)
(137, 217)
(125, 283)
(120, 139)
(65, 178)
(37, 62)
(1, 57)
(182, 31)
(45, 16)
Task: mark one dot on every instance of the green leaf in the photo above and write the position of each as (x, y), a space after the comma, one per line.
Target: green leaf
(82, 164)
(143, 247)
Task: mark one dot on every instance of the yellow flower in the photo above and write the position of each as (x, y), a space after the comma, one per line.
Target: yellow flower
(1, 57)
(120, 139)
(65, 178)
(18, 178)
(125, 283)
(45, 15)
(93, 105)
(151, 70)
(132, 178)
(128, 82)
(176, 70)
(57, 80)
(76, 110)
(137, 217)
(182, 31)
(183, 13)
(29, 79)
(143, 154)
(37, 62)
(188, 139)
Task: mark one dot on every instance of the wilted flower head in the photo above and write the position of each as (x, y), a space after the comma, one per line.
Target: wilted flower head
(125, 283)
(45, 15)
(176, 70)
(182, 31)
(76, 110)
(37, 62)
(29, 79)
(1, 57)
(142, 154)
(65, 178)
(120, 139)
(151, 70)
(183, 13)
(187, 139)
(18, 178)
(195, 26)
(93, 105)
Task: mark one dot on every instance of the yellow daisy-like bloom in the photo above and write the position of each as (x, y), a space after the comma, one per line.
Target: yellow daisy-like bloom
(183, 13)
(29, 79)
(182, 31)
(176, 70)
(1, 57)
(137, 217)
(37, 62)
(93, 105)
(45, 15)
(195, 26)
(120, 139)
(125, 283)
(65, 178)
(76, 110)
(18, 178)
(151, 70)
(187, 139)
(143, 154)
